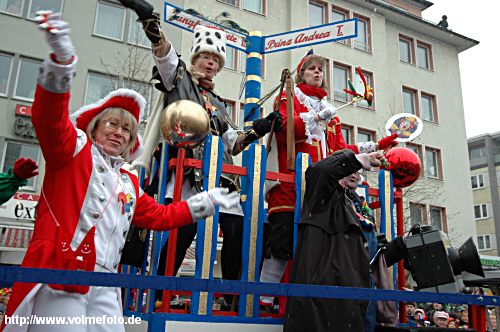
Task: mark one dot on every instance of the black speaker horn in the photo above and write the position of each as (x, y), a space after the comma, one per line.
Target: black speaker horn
(465, 258)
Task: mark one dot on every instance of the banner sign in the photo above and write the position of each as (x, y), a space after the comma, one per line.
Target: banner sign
(189, 22)
(311, 36)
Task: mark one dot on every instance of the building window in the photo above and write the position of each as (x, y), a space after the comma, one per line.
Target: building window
(347, 134)
(5, 70)
(109, 21)
(432, 163)
(362, 41)
(418, 150)
(232, 112)
(52, 5)
(481, 211)
(338, 15)
(136, 35)
(340, 78)
(477, 181)
(231, 59)
(364, 136)
(146, 90)
(405, 49)
(417, 214)
(409, 105)
(26, 78)
(437, 217)
(424, 56)
(15, 150)
(477, 152)
(230, 2)
(98, 87)
(255, 6)
(483, 242)
(359, 86)
(11, 6)
(316, 13)
(428, 107)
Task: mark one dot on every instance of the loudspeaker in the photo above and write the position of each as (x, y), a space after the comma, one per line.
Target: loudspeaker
(465, 258)
(433, 267)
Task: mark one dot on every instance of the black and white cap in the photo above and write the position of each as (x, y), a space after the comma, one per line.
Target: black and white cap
(211, 40)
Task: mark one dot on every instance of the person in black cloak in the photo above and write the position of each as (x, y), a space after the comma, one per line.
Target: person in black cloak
(331, 248)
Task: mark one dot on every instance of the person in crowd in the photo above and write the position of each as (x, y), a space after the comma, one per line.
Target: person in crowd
(88, 202)
(410, 310)
(331, 248)
(317, 132)
(440, 318)
(16, 177)
(194, 81)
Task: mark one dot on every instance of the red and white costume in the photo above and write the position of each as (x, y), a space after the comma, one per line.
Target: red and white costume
(310, 137)
(84, 190)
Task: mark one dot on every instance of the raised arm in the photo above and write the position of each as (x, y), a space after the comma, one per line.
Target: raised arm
(55, 132)
(164, 55)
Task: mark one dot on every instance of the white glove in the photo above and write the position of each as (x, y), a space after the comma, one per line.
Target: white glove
(220, 196)
(202, 205)
(328, 112)
(369, 160)
(57, 34)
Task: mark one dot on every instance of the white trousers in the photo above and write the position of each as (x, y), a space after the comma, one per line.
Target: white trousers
(100, 302)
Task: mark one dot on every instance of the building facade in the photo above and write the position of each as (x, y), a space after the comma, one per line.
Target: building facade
(412, 65)
(484, 158)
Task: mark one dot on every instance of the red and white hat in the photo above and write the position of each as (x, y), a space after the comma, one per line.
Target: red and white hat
(304, 59)
(126, 99)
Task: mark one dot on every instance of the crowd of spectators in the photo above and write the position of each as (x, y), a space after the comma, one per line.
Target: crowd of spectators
(444, 316)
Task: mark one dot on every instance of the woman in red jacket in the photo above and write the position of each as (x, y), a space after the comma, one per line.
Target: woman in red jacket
(88, 202)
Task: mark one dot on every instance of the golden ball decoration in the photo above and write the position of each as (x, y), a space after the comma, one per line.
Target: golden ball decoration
(185, 124)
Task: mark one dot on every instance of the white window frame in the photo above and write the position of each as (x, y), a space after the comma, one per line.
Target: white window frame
(263, 4)
(484, 242)
(15, 15)
(483, 211)
(39, 153)
(15, 96)
(324, 8)
(123, 21)
(7, 85)
(477, 181)
(97, 74)
(29, 10)
(131, 22)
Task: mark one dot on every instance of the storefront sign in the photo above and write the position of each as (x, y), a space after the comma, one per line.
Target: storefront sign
(23, 110)
(20, 206)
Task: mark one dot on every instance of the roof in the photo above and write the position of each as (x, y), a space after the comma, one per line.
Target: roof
(401, 17)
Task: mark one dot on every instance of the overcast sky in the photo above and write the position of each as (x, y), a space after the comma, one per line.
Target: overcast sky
(479, 65)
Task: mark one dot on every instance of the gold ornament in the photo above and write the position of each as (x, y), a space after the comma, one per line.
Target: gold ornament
(185, 124)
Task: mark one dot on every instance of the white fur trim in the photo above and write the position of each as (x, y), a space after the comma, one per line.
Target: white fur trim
(211, 40)
(117, 93)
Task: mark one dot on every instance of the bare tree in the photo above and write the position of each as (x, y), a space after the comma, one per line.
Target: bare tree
(132, 67)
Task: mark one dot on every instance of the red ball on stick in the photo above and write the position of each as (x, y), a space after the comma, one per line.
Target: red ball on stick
(405, 166)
